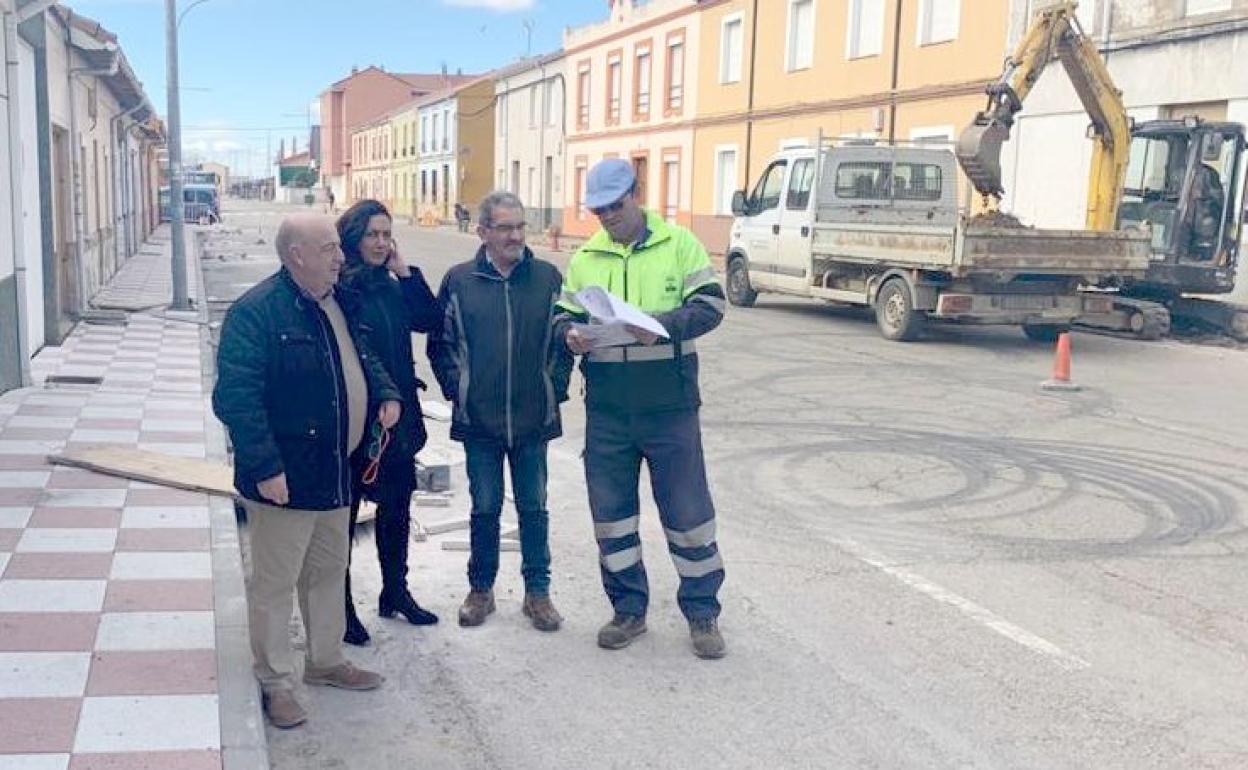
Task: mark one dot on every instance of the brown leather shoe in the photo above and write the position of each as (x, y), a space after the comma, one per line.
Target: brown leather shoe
(345, 676)
(538, 609)
(283, 709)
(477, 606)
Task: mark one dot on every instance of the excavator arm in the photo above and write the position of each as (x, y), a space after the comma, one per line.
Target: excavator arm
(1054, 34)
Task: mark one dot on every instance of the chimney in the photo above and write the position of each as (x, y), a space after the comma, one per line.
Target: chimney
(355, 70)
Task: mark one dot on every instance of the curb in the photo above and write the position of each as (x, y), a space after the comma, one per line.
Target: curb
(244, 745)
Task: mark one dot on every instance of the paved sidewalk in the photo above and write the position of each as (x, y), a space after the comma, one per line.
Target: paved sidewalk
(117, 649)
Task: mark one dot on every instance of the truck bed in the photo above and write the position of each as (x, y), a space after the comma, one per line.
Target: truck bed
(979, 247)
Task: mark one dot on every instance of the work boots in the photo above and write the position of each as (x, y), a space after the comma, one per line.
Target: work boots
(476, 608)
(344, 676)
(708, 643)
(541, 612)
(283, 709)
(621, 631)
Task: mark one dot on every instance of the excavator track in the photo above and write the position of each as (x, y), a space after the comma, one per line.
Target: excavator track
(1136, 318)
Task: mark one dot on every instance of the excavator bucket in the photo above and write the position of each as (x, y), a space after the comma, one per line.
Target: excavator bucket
(979, 153)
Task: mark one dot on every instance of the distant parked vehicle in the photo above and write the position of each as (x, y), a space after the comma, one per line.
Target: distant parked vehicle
(201, 203)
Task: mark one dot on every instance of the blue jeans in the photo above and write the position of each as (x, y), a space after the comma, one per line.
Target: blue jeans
(528, 483)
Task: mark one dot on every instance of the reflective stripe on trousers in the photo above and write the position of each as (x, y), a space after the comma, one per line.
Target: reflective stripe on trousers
(671, 444)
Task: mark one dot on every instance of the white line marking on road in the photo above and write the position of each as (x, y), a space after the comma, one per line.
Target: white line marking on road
(981, 615)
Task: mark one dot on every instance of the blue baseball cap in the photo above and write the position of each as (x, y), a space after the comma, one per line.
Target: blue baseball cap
(608, 181)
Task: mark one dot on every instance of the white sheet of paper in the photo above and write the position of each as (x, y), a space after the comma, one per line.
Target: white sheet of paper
(606, 335)
(608, 309)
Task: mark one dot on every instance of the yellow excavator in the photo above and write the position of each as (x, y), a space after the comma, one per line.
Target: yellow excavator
(1179, 178)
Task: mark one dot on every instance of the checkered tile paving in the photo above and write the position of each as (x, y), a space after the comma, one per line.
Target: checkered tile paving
(107, 635)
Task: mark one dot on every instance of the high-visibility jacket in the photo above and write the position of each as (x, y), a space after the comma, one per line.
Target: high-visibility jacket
(667, 275)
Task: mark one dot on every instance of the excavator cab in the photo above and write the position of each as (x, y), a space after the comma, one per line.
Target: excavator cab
(1183, 181)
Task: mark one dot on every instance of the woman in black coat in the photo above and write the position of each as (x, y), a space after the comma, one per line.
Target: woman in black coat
(389, 300)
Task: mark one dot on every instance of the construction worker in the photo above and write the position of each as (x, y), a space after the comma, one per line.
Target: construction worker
(642, 402)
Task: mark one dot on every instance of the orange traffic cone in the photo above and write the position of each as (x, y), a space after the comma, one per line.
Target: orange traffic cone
(1061, 367)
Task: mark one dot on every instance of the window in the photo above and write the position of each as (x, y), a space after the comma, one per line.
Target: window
(548, 95)
(515, 177)
(767, 191)
(501, 117)
(938, 20)
(730, 49)
(424, 133)
(676, 74)
(434, 184)
(932, 135)
(446, 129)
(641, 172)
(433, 142)
(878, 180)
(614, 86)
(671, 188)
(862, 180)
(725, 179)
(412, 149)
(1195, 7)
(533, 106)
(800, 182)
(641, 83)
(800, 40)
(916, 182)
(581, 165)
(866, 28)
(582, 96)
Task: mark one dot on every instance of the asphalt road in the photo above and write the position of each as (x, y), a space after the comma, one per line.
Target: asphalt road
(931, 564)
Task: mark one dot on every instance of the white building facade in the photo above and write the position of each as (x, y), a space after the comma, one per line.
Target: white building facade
(529, 145)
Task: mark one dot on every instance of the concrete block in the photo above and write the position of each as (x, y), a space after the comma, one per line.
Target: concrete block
(449, 525)
(464, 545)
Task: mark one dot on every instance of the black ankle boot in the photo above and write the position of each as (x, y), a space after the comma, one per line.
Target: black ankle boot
(403, 604)
(356, 633)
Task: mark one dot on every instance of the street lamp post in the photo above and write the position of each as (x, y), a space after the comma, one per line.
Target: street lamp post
(181, 300)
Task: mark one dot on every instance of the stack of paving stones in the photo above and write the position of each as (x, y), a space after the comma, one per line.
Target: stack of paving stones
(107, 637)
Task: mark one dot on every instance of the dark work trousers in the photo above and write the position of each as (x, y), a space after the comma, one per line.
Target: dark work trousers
(484, 463)
(671, 445)
(392, 528)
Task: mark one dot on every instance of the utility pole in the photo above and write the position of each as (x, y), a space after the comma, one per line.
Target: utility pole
(181, 300)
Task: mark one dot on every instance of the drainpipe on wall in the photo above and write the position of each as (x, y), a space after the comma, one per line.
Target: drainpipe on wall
(15, 191)
(749, 108)
(892, 92)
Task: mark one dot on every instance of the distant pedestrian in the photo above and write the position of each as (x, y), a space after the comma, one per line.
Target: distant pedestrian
(293, 387)
(496, 363)
(642, 403)
(462, 217)
(329, 199)
(389, 300)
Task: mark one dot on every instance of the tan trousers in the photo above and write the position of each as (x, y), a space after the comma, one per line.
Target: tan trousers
(295, 550)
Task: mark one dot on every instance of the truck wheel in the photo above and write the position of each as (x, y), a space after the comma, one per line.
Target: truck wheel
(895, 313)
(740, 293)
(1043, 332)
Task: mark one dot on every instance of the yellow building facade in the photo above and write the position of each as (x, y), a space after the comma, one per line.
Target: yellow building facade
(775, 73)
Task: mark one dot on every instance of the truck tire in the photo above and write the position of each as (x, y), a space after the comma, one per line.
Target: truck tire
(1044, 332)
(895, 313)
(740, 293)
